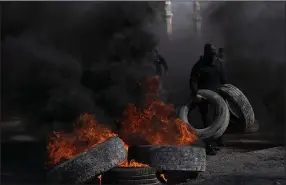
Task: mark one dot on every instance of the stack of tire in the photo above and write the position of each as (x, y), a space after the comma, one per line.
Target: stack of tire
(233, 112)
(180, 163)
(132, 176)
(176, 163)
(102, 161)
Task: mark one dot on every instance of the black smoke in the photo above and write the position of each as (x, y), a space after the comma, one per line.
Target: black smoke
(61, 59)
(254, 40)
(253, 35)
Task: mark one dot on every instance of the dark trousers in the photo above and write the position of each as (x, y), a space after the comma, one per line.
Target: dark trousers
(203, 106)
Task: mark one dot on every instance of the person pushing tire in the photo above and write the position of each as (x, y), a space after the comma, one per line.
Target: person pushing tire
(207, 73)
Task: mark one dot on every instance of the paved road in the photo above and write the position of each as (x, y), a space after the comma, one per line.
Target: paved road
(24, 163)
(244, 168)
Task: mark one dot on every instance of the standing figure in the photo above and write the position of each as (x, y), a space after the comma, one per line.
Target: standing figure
(207, 73)
(159, 62)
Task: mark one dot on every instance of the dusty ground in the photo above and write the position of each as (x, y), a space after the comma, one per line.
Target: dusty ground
(235, 166)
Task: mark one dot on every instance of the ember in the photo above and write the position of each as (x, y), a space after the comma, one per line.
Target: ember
(132, 164)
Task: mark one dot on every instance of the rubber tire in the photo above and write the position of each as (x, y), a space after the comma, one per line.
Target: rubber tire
(144, 175)
(242, 106)
(221, 121)
(86, 166)
(166, 158)
(178, 177)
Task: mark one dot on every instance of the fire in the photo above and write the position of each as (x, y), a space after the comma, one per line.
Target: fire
(132, 164)
(100, 179)
(156, 122)
(87, 133)
(163, 177)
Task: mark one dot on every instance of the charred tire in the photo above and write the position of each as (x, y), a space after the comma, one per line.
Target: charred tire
(222, 115)
(86, 166)
(178, 177)
(242, 114)
(132, 176)
(174, 158)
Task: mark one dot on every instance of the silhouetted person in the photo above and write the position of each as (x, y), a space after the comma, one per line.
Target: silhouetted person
(159, 61)
(207, 73)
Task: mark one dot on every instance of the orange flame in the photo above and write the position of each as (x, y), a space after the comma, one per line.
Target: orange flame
(163, 177)
(156, 123)
(100, 179)
(87, 133)
(132, 164)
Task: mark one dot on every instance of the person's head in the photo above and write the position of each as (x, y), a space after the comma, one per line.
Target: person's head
(209, 50)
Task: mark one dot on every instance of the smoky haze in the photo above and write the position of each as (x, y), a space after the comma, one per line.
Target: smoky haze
(61, 59)
(253, 35)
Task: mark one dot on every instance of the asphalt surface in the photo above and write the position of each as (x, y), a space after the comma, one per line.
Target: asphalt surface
(24, 163)
(237, 167)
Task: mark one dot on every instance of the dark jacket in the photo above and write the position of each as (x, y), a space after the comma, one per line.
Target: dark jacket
(159, 62)
(207, 75)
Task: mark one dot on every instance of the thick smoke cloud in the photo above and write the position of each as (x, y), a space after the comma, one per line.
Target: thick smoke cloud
(254, 38)
(61, 59)
(253, 35)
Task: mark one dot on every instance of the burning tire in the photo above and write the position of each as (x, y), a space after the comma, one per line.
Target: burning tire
(242, 114)
(86, 166)
(171, 158)
(132, 175)
(222, 115)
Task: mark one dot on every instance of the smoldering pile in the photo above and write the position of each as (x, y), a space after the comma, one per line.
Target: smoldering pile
(142, 152)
